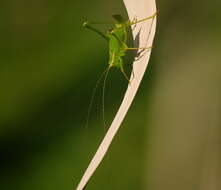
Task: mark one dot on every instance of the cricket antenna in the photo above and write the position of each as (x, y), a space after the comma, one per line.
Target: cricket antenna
(93, 95)
(103, 96)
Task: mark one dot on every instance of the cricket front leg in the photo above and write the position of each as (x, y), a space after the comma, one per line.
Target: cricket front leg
(90, 27)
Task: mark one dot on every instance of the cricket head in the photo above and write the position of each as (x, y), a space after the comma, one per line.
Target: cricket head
(119, 18)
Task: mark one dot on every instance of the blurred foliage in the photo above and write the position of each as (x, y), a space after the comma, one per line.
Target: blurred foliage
(49, 65)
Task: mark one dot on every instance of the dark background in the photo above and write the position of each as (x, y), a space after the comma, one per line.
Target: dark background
(49, 65)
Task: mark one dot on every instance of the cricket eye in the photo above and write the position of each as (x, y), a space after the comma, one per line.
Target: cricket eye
(111, 30)
(85, 24)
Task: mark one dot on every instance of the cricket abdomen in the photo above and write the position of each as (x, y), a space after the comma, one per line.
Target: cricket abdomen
(115, 60)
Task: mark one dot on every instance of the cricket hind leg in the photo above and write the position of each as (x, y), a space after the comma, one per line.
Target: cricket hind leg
(141, 53)
(138, 48)
(125, 75)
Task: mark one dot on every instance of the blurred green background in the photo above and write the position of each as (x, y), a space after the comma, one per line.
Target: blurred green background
(49, 65)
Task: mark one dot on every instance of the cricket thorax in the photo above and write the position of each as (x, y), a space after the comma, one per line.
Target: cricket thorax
(117, 46)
